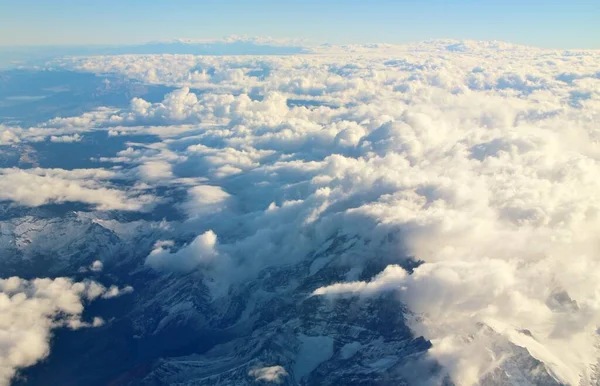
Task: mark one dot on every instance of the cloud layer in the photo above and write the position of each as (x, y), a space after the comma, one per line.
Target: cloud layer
(479, 159)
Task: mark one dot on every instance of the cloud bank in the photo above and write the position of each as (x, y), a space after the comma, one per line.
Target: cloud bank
(479, 159)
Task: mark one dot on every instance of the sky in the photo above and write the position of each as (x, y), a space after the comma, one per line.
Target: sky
(550, 23)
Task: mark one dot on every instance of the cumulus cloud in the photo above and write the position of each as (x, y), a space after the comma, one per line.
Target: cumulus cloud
(201, 251)
(486, 172)
(31, 309)
(9, 135)
(97, 266)
(113, 291)
(66, 138)
(205, 200)
(155, 170)
(272, 374)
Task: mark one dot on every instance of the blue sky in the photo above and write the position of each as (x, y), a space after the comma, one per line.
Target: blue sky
(551, 23)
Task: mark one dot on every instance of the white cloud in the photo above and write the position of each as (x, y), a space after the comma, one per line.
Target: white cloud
(155, 171)
(178, 106)
(201, 251)
(97, 266)
(273, 374)
(35, 187)
(205, 200)
(9, 135)
(113, 291)
(31, 309)
(66, 138)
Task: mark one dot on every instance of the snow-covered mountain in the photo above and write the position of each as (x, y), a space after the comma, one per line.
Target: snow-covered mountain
(171, 331)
